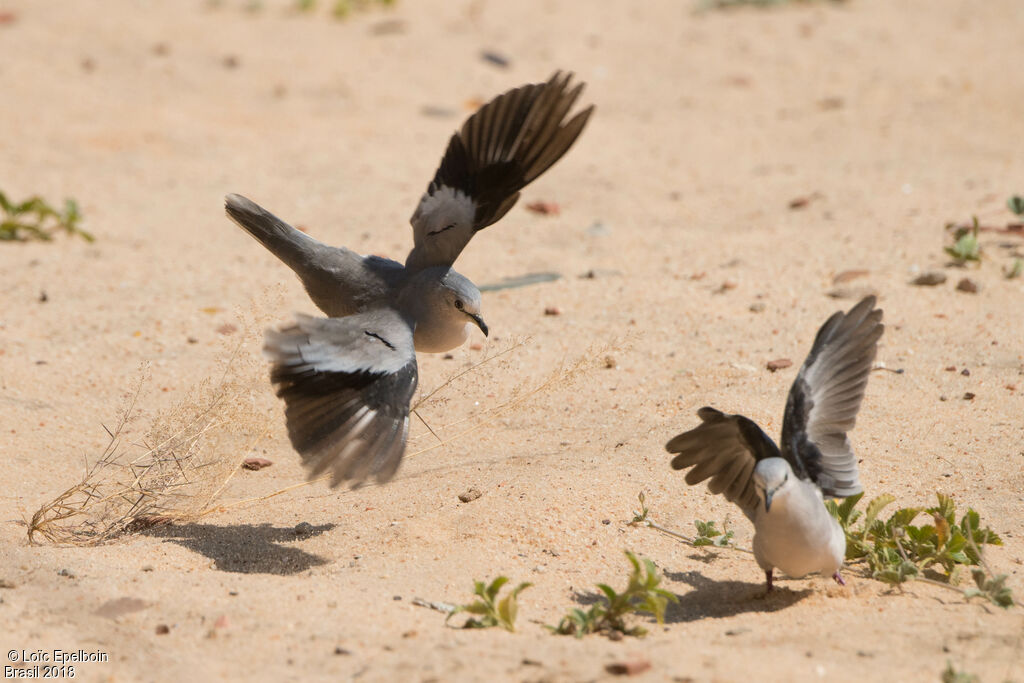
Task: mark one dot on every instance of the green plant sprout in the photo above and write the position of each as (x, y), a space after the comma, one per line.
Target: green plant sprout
(34, 218)
(966, 246)
(1016, 205)
(489, 610)
(642, 594)
(707, 533)
(897, 551)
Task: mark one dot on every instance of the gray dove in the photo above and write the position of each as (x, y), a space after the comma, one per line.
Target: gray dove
(347, 380)
(781, 492)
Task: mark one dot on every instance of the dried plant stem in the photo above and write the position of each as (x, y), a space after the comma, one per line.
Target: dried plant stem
(692, 542)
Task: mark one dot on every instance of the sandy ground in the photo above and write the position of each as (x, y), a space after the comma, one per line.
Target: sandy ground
(894, 118)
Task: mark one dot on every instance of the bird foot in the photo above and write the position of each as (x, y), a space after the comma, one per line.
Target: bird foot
(839, 578)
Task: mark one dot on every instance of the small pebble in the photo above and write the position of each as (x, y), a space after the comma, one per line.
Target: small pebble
(470, 495)
(965, 372)
(552, 310)
(256, 464)
(967, 285)
(494, 58)
(338, 650)
(629, 668)
(609, 362)
(163, 629)
(757, 307)
(303, 529)
(848, 275)
(929, 278)
(968, 396)
(778, 364)
(66, 572)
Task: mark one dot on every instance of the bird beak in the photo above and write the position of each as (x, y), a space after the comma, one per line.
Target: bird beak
(767, 501)
(479, 322)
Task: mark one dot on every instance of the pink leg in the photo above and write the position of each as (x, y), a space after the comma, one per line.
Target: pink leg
(839, 578)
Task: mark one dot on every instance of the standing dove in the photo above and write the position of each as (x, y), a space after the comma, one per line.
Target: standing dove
(781, 491)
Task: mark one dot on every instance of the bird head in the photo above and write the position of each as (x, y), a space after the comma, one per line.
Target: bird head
(770, 476)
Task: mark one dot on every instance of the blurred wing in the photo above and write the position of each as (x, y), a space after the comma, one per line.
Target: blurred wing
(346, 385)
(723, 448)
(825, 397)
(500, 149)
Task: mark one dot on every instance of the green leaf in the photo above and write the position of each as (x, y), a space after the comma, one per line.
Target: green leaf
(1016, 204)
(876, 506)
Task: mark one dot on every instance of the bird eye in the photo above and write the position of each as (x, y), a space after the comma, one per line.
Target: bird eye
(458, 304)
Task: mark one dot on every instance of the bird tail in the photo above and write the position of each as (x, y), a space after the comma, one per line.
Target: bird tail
(292, 246)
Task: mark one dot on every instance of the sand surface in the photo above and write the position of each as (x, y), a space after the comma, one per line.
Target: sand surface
(891, 118)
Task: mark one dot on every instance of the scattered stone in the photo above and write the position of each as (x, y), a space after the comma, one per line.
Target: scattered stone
(736, 631)
(950, 368)
(544, 208)
(606, 521)
(470, 495)
(778, 364)
(409, 634)
(968, 285)
(530, 662)
(628, 668)
(147, 567)
(929, 278)
(494, 58)
(609, 362)
(339, 650)
(726, 286)
(848, 275)
(192, 340)
(66, 572)
(595, 273)
(757, 307)
(4, 583)
(476, 346)
(437, 112)
(448, 356)
(615, 635)
(388, 27)
(968, 396)
(113, 609)
(256, 464)
(162, 629)
(552, 310)
(396, 598)
(303, 529)
(943, 398)
(965, 372)
(227, 328)
(851, 292)
(43, 297)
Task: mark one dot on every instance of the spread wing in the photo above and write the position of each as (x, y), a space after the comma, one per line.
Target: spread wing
(723, 448)
(346, 385)
(825, 397)
(500, 149)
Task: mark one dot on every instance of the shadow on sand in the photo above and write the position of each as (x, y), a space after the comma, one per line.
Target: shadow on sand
(246, 548)
(716, 599)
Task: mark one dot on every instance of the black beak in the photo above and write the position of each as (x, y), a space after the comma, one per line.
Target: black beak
(479, 322)
(767, 501)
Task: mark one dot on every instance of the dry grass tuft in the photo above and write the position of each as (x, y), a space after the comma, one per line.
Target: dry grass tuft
(174, 474)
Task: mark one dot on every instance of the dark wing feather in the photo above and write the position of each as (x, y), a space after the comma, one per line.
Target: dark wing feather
(825, 397)
(723, 448)
(346, 384)
(504, 146)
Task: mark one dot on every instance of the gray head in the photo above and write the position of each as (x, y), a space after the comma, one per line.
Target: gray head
(443, 303)
(770, 475)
